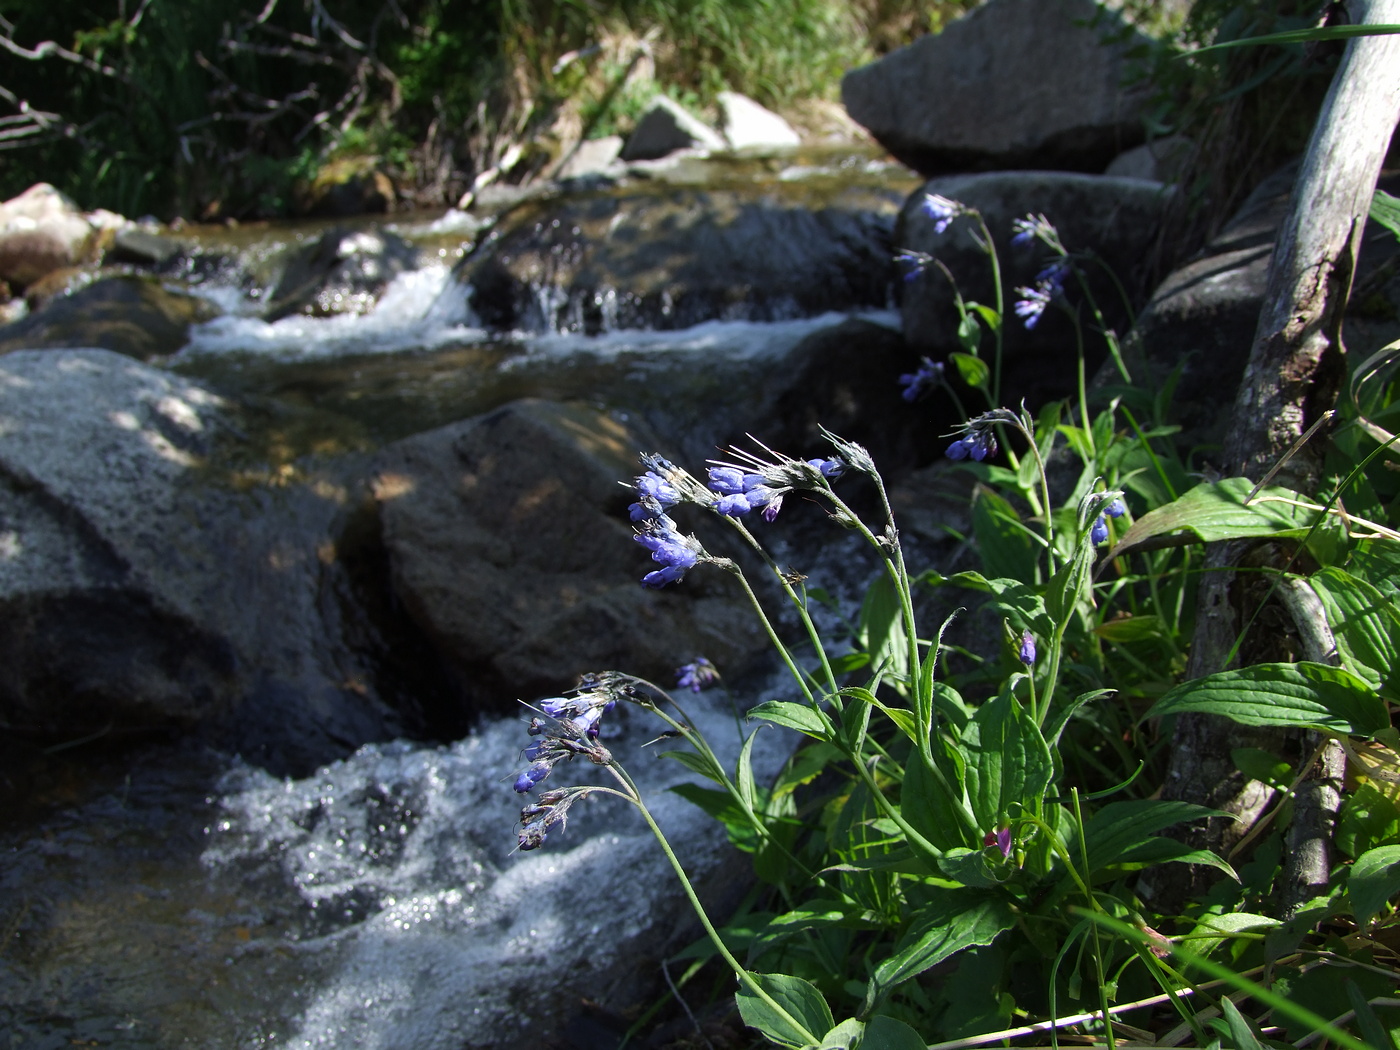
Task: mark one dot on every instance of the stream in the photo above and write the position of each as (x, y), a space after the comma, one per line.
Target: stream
(162, 894)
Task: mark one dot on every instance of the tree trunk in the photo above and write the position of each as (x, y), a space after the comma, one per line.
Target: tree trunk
(1294, 372)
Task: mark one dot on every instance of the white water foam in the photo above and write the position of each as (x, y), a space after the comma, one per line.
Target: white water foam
(420, 309)
(422, 929)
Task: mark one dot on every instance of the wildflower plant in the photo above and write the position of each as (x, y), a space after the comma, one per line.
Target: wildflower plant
(975, 812)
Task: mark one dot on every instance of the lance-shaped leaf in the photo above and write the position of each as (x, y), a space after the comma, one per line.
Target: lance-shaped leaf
(1007, 761)
(959, 919)
(1366, 625)
(1372, 881)
(798, 998)
(1305, 695)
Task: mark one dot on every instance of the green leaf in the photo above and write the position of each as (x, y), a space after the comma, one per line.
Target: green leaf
(845, 1036)
(973, 370)
(1304, 36)
(882, 627)
(886, 1033)
(721, 806)
(1213, 930)
(1374, 879)
(696, 764)
(1241, 1031)
(1263, 766)
(1007, 549)
(969, 333)
(799, 998)
(990, 317)
(1385, 211)
(1305, 695)
(1131, 629)
(972, 867)
(1008, 763)
(1371, 1028)
(1216, 510)
(795, 716)
(958, 919)
(1064, 712)
(1365, 623)
(1114, 832)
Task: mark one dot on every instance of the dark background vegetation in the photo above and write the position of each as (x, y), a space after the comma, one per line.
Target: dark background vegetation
(210, 109)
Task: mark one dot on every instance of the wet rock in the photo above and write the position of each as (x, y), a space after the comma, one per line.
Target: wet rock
(141, 590)
(674, 257)
(41, 230)
(665, 127)
(138, 317)
(747, 125)
(511, 547)
(1014, 84)
(342, 272)
(1114, 219)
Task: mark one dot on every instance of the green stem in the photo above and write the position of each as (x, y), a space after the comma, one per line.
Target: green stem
(999, 296)
(739, 969)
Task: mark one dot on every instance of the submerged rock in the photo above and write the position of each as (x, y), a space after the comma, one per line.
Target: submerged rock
(1013, 84)
(672, 258)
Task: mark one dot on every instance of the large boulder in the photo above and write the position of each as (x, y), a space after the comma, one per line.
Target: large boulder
(510, 545)
(670, 258)
(144, 586)
(747, 125)
(1014, 84)
(139, 317)
(41, 230)
(1115, 219)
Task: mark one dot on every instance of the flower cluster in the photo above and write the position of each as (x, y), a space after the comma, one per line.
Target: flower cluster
(1099, 532)
(675, 552)
(977, 443)
(537, 817)
(571, 730)
(919, 382)
(1033, 228)
(701, 674)
(1049, 285)
(941, 210)
(752, 482)
(912, 262)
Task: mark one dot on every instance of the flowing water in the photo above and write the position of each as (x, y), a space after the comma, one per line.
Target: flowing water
(168, 897)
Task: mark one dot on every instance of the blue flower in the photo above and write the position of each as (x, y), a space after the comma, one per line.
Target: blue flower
(923, 379)
(913, 263)
(1052, 278)
(830, 468)
(537, 771)
(1034, 227)
(674, 552)
(1117, 508)
(1026, 654)
(975, 444)
(1099, 532)
(1031, 305)
(941, 210)
(727, 481)
(735, 505)
(701, 674)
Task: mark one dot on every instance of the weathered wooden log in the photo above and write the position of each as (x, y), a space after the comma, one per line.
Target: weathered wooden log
(1295, 368)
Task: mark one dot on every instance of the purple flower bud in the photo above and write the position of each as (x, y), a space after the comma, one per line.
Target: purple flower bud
(727, 481)
(658, 488)
(1027, 651)
(1116, 509)
(941, 210)
(697, 675)
(659, 578)
(1099, 532)
(1001, 839)
(733, 506)
(771, 510)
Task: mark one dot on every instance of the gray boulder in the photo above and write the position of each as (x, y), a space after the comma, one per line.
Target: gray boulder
(510, 546)
(1014, 84)
(665, 127)
(144, 588)
(1115, 219)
